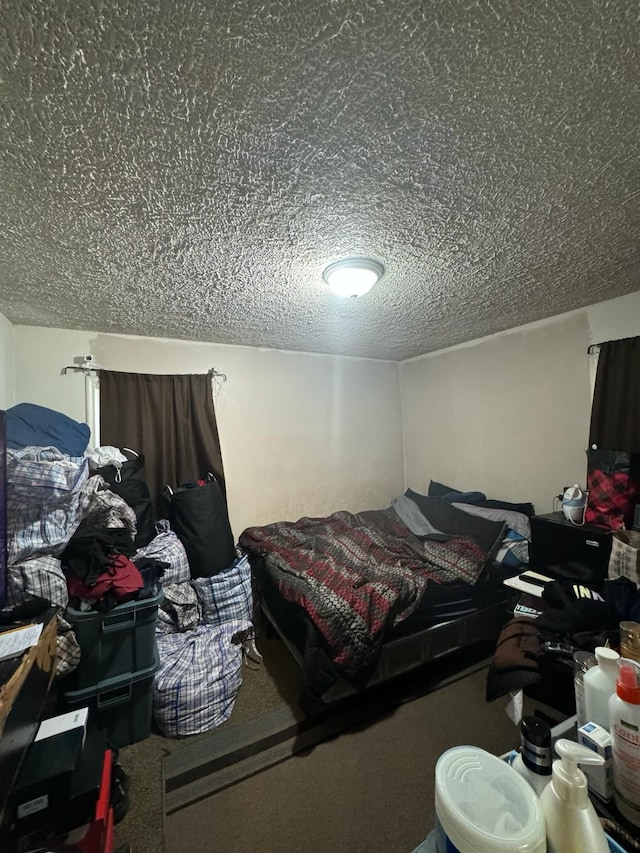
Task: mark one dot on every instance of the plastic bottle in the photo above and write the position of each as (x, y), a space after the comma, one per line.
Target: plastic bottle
(571, 820)
(624, 710)
(533, 762)
(600, 685)
(582, 661)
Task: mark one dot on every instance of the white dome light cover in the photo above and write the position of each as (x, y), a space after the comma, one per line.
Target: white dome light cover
(352, 277)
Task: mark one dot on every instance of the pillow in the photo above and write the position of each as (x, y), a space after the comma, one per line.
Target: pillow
(525, 508)
(445, 493)
(513, 520)
(514, 551)
(30, 425)
(464, 497)
(438, 490)
(447, 519)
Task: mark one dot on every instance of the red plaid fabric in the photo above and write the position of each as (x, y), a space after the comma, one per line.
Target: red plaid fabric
(612, 498)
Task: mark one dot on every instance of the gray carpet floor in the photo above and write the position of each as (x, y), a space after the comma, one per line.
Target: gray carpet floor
(275, 683)
(366, 790)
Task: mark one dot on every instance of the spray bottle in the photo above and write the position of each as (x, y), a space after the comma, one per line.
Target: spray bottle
(624, 716)
(571, 820)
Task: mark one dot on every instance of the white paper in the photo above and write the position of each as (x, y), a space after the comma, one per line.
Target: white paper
(515, 706)
(519, 582)
(63, 722)
(15, 642)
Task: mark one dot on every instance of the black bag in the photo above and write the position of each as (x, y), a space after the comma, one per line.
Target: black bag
(129, 483)
(132, 469)
(198, 515)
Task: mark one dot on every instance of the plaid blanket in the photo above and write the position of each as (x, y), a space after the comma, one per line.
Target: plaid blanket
(358, 576)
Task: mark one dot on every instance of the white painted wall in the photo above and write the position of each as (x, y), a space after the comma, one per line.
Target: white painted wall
(310, 434)
(301, 434)
(6, 363)
(509, 414)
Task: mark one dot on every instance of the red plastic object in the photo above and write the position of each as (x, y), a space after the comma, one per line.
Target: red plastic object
(99, 835)
(627, 686)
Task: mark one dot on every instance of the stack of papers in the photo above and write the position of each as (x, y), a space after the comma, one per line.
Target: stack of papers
(530, 582)
(17, 640)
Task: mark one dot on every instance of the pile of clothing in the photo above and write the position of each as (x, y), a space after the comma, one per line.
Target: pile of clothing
(69, 540)
(535, 650)
(81, 535)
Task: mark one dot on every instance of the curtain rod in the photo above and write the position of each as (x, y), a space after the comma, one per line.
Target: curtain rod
(214, 373)
(596, 347)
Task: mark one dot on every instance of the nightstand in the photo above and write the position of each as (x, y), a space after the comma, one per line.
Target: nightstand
(561, 549)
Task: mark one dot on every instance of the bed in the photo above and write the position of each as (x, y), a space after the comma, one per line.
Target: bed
(361, 598)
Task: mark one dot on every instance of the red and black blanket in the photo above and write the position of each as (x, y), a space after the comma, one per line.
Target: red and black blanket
(358, 575)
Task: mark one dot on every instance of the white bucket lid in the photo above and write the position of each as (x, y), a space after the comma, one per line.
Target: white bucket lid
(484, 805)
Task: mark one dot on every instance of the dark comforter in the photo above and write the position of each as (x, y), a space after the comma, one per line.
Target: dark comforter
(358, 575)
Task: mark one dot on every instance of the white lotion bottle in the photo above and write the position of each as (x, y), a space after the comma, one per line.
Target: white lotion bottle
(624, 710)
(600, 686)
(571, 820)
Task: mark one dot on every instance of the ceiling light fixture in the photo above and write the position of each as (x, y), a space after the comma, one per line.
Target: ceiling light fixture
(353, 276)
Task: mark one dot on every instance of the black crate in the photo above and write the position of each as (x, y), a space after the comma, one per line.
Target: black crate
(120, 641)
(122, 706)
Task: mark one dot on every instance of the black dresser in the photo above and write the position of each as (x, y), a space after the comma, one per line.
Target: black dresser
(561, 549)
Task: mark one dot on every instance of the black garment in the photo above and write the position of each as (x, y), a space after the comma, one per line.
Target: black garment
(87, 554)
(573, 608)
(27, 610)
(456, 522)
(575, 617)
(151, 570)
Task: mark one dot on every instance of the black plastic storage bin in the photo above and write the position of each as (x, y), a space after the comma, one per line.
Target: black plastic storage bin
(121, 706)
(121, 641)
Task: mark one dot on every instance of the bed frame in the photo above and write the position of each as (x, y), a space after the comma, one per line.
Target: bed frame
(458, 625)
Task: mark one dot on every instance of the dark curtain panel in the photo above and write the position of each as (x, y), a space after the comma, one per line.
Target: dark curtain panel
(615, 414)
(169, 419)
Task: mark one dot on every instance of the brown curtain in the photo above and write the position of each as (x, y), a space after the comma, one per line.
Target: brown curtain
(169, 419)
(615, 414)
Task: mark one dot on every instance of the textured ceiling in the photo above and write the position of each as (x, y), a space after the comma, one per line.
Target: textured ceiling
(187, 169)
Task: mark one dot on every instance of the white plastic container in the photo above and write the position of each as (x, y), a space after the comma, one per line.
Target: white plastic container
(582, 661)
(571, 820)
(624, 710)
(600, 685)
(483, 806)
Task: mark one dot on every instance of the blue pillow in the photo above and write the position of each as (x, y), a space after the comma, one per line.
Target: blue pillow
(29, 425)
(463, 497)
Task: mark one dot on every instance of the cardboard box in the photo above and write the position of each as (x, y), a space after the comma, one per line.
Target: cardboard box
(599, 778)
(24, 684)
